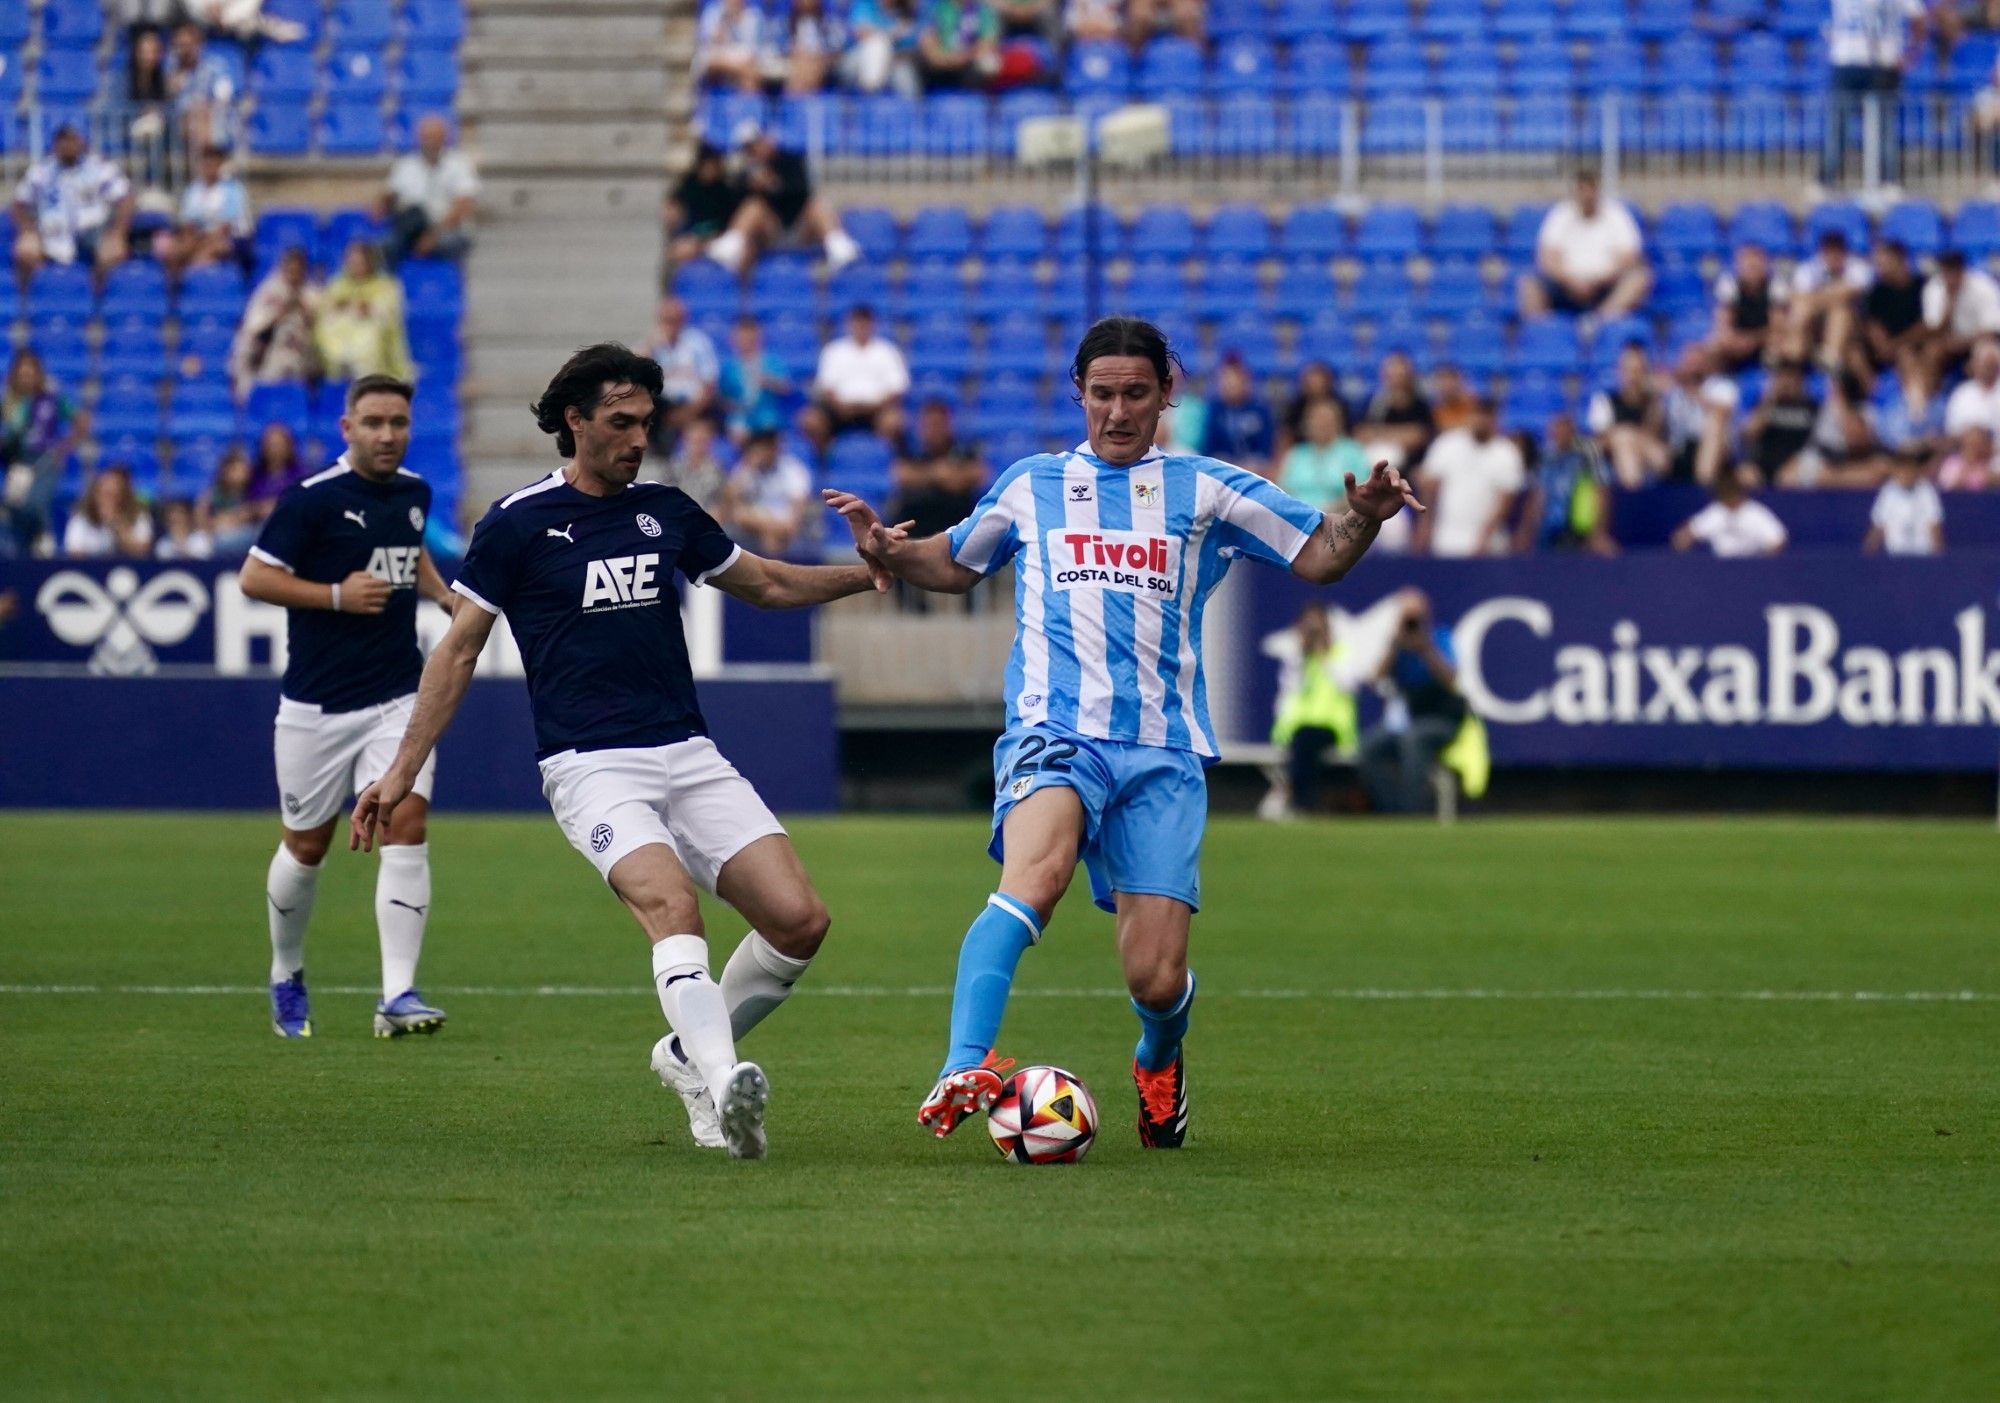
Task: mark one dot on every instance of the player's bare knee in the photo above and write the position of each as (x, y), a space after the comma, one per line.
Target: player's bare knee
(800, 929)
(1160, 985)
(1041, 883)
(407, 829)
(308, 845)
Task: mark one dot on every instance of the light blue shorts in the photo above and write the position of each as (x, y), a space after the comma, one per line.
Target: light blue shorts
(1144, 808)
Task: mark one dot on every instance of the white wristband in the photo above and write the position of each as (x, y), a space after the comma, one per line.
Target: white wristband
(336, 598)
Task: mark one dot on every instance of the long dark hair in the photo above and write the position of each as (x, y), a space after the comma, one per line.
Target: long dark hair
(1125, 336)
(579, 385)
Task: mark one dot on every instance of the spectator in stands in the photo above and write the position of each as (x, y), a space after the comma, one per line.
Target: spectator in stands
(109, 519)
(770, 496)
(753, 384)
(277, 464)
(1909, 418)
(244, 20)
(277, 342)
(1749, 309)
(880, 57)
(361, 328)
(1843, 449)
(1701, 409)
(1826, 290)
(1869, 42)
(38, 432)
(214, 224)
(1780, 428)
(1240, 428)
(1588, 258)
(703, 203)
(801, 49)
(1472, 478)
(202, 88)
(431, 195)
(1315, 385)
(1569, 496)
(1315, 711)
(958, 44)
(1317, 468)
(1420, 676)
(778, 197)
(231, 512)
(694, 468)
(146, 70)
(1977, 401)
(180, 537)
(1893, 333)
(1971, 468)
(861, 381)
(73, 206)
(729, 46)
(1961, 305)
(1452, 400)
(936, 480)
(1733, 525)
(1093, 21)
(1185, 19)
(1397, 422)
(1908, 515)
(1630, 421)
(689, 366)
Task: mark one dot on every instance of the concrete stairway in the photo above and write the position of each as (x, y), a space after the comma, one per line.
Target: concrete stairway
(566, 109)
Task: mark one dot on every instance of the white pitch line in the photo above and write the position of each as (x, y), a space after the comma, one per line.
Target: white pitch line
(872, 991)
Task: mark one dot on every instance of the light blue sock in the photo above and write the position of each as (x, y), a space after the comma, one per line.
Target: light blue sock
(986, 963)
(1161, 1030)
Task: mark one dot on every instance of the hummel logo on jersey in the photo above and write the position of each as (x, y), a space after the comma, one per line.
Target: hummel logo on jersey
(1131, 562)
(622, 582)
(1079, 491)
(357, 519)
(564, 534)
(396, 564)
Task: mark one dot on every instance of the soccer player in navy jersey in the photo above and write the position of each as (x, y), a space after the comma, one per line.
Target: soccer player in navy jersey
(343, 553)
(582, 565)
(1116, 547)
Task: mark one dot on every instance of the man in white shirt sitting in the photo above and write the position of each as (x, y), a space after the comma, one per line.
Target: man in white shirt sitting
(1961, 305)
(429, 200)
(1733, 526)
(861, 381)
(1976, 403)
(1472, 478)
(1588, 258)
(1825, 291)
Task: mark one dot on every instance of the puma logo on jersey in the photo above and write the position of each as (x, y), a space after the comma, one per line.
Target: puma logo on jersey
(564, 534)
(622, 581)
(357, 519)
(396, 564)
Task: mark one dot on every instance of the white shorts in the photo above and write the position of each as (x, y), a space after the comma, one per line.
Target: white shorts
(685, 795)
(325, 758)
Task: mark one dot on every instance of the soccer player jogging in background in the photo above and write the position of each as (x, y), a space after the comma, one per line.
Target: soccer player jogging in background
(582, 565)
(343, 553)
(1117, 545)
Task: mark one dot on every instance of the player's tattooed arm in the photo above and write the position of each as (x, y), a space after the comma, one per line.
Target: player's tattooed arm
(1344, 536)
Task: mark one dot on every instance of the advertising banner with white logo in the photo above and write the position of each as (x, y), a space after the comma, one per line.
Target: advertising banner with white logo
(1821, 661)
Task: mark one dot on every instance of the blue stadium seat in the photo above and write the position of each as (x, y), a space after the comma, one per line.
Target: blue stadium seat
(66, 75)
(354, 75)
(1548, 345)
(128, 414)
(1759, 59)
(1226, 289)
(1006, 287)
(1844, 215)
(1448, 20)
(796, 341)
(939, 232)
(1464, 231)
(280, 229)
(57, 290)
(1593, 19)
(1244, 65)
(1236, 19)
(932, 292)
(136, 288)
(874, 229)
(859, 462)
(1253, 339)
(1246, 126)
(1077, 226)
(1918, 224)
(1006, 405)
(1097, 69)
(955, 126)
(67, 360)
(1316, 125)
(428, 76)
(1455, 290)
(73, 23)
(941, 346)
(278, 404)
(1400, 331)
(1153, 290)
(359, 22)
(1764, 222)
(1394, 127)
(14, 25)
(1388, 231)
(352, 129)
(279, 129)
(1616, 65)
(1382, 290)
(1238, 231)
(1312, 19)
(1017, 345)
(708, 289)
(1679, 288)
(1686, 61)
(1315, 231)
(1976, 229)
(13, 82)
(434, 289)
(1163, 231)
(1398, 69)
(434, 23)
(1530, 402)
(1334, 342)
(1170, 67)
(1316, 66)
(1016, 107)
(1525, 24)
(1518, 234)
(1688, 231)
(886, 126)
(1661, 20)
(283, 72)
(1013, 231)
(783, 287)
(341, 228)
(1305, 289)
(858, 285)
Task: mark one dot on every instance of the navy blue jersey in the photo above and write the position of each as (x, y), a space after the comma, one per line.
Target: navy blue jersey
(324, 529)
(586, 584)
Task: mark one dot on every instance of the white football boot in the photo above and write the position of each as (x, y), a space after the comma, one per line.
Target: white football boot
(703, 1123)
(740, 1107)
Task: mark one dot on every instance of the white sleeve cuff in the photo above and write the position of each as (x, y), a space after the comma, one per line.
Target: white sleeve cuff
(458, 587)
(269, 559)
(735, 553)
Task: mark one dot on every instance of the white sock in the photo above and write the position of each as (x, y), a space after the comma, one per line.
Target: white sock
(402, 901)
(841, 248)
(693, 1005)
(289, 888)
(756, 980)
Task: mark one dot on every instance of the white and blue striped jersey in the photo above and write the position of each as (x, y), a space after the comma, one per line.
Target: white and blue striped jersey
(1113, 568)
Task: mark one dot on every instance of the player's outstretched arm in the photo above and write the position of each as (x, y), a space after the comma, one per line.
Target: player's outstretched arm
(779, 584)
(1344, 536)
(431, 585)
(925, 563)
(446, 676)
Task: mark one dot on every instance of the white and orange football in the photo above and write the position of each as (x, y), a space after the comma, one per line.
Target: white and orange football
(1043, 1115)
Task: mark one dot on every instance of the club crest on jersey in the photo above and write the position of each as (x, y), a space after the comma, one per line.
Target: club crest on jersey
(396, 564)
(622, 581)
(648, 525)
(1021, 786)
(417, 518)
(1146, 494)
(600, 837)
(1128, 562)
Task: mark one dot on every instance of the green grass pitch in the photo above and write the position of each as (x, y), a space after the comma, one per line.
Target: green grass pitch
(1610, 1191)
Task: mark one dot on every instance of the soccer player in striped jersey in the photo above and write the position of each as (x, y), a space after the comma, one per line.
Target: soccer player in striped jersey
(1116, 547)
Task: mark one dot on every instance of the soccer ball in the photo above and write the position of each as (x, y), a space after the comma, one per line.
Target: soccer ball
(1043, 1115)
